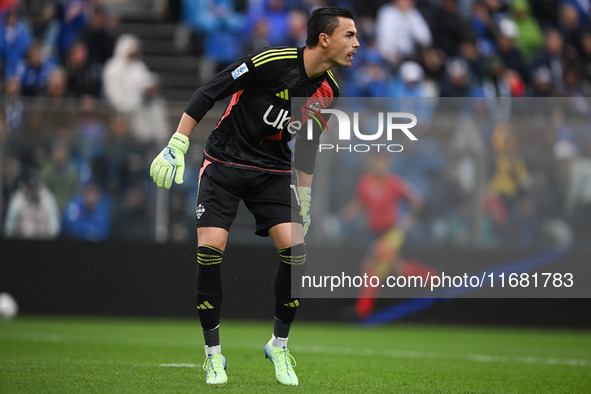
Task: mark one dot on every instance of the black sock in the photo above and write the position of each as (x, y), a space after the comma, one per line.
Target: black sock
(281, 329)
(211, 336)
(209, 290)
(286, 291)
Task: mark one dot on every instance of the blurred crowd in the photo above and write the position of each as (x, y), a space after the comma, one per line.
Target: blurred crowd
(447, 48)
(82, 113)
(80, 107)
(492, 174)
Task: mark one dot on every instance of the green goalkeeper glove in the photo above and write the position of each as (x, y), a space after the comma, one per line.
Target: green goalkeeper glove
(170, 163)
(305, 195)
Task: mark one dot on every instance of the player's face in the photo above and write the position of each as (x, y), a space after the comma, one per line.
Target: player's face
(343, 43)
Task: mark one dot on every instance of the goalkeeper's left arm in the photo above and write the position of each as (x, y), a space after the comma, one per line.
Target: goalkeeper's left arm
(304, 189)
(305, 160)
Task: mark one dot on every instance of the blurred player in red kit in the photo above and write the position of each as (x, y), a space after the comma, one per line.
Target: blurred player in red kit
(380, 194)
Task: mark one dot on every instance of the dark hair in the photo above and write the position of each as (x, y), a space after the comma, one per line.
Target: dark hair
(324, 20)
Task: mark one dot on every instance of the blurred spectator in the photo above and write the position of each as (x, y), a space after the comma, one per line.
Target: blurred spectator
(216, 26)
(277, 16)
(570, 26)
(32, 212)
(566, 146)
(410, 81)
(181, 228)
(507, 50)
(92, 130)
(59, 111)
(582, 8)
(585, 54)
(88, 214)
(575, 86)
(371, 78)
(126, 77)
(545, 12)
(497, 8)
(498, 87)
(13, 116)
(11, 173)
(495, 213)
(530, 37)
(60, 175)
(459, 232)
(446, 195)
(483, 26)
(132, 90)
(448, 27)
(524, 227)
(368, 9)
(151, 121)
(542, 85)
(34, 70)
(553, 56)
(46, 28)
(7, 5)
(475, 60)
(433, 62)
(557, 232)
(400, 31)
(73, 23)
(545, 196)
(132, 219)
(99, 40)
(457, 81)
(511, 175)
(297, 25)
(83, 76)
(259, 37)
(15, 39)
(578, 200)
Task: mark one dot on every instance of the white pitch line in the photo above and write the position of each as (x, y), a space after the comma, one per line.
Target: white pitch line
(173, 365)
(335, 351)
(406, 354)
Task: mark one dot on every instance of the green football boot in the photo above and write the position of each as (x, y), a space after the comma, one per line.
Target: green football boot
(284, 363)
(214, 366)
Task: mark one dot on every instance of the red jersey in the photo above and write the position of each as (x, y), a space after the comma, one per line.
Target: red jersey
(381, 199)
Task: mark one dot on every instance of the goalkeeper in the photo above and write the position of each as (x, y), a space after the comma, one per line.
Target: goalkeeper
(247, 158)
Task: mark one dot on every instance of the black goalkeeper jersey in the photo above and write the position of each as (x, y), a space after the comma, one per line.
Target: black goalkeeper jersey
(253, 131)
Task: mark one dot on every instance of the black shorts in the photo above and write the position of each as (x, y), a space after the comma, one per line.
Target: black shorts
(271, 198)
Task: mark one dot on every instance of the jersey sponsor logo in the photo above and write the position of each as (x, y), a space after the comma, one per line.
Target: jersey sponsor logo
(281, 119)
(240, 70)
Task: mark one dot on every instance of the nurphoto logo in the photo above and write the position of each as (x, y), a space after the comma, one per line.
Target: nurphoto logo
(387, 123)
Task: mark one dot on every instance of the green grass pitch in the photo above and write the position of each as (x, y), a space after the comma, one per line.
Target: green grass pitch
(43, 354)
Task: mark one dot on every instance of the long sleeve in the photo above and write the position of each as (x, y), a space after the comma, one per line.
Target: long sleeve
(237, 76)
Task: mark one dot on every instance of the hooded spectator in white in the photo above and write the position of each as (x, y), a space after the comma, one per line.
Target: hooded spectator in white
(32, 211)
(132, 90)
(401, 30)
